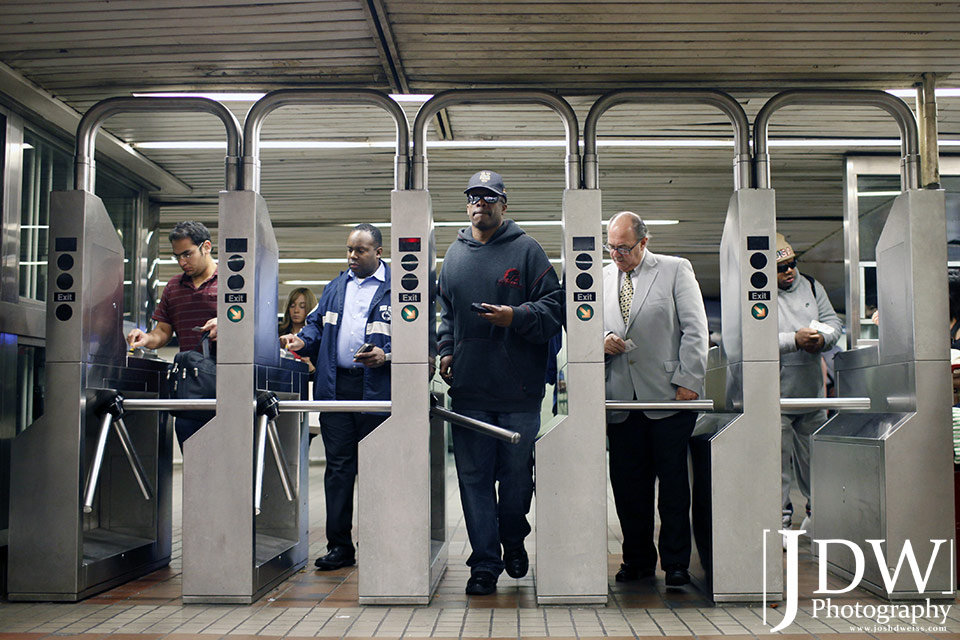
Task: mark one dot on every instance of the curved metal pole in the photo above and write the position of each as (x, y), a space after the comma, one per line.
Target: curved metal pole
(286, 97)
(909, 140)
(85, 171)
(454, 97)
(723, 101)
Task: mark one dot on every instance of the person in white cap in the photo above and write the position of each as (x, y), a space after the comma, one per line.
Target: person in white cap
(808, 325)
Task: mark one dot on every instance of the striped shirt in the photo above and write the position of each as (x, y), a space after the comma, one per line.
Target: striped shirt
(184, 307)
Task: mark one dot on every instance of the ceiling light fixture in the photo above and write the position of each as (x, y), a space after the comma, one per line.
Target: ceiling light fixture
(304, 283)
(532, 144)
(912, 93)
(235, 96)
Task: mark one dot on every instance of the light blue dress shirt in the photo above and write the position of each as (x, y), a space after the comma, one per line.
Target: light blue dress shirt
(356, 307)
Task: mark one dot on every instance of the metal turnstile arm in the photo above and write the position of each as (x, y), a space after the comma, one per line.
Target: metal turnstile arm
(477, 425)
(261, 442)
(113, 416)
(670, 405)
(268, 409)
(837, 404)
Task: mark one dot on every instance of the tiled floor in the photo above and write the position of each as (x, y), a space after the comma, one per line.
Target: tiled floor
(324, 604)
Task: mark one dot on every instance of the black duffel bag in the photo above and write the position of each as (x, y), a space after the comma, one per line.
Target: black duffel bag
(193, 376)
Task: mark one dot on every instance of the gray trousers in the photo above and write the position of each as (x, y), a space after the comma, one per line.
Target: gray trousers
(795, 443)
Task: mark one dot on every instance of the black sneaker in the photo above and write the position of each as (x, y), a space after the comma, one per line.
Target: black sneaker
(336, 558)
(516, 561)
(481, 584)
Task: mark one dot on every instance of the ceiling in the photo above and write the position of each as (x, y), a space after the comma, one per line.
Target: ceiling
(82, 51)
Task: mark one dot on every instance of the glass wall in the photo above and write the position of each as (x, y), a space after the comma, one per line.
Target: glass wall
(46, 167)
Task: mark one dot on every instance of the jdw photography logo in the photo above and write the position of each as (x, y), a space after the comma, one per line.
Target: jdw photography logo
(879, 615)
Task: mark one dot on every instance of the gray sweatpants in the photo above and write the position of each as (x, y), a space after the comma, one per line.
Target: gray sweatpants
(795, 442)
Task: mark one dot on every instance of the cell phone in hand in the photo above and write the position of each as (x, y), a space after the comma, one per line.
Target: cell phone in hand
(477, 307)
(366, 347)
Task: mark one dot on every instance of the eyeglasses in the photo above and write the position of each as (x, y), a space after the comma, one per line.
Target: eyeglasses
(491, 199)
(624, 251)
(783, 268)
(186, 255)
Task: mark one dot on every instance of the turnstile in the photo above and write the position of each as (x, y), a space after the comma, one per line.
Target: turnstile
(90, 503)
(570, 562)
(885, 474)
(245, 511)
(733, 500)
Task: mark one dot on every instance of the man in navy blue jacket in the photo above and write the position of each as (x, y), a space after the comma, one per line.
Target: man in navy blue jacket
(353, 312)
(495, 363)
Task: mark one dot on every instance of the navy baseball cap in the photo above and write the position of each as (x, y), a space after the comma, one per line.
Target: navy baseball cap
(489, 180)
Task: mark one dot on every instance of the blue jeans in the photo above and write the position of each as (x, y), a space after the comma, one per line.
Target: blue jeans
(495, 517)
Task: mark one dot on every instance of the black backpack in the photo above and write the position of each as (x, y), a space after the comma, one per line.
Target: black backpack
(193, 376)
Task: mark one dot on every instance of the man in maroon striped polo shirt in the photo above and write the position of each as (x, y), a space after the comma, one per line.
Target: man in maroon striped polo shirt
(188, 305)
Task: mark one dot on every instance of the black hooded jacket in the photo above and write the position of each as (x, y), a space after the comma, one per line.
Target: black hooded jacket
(498, 368)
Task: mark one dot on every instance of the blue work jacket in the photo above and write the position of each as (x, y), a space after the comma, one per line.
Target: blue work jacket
(320, 333)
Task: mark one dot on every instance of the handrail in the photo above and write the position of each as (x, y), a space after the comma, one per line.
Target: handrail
(454, 97)
(723, 101)
(85, 169)
(854, 404)
(909, 139)
(670, 405)
(253, 123)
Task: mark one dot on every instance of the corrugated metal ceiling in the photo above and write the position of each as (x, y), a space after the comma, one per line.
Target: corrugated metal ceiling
(86, 50)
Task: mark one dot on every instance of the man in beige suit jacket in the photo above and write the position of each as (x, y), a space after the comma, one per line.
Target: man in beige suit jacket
(656, 349)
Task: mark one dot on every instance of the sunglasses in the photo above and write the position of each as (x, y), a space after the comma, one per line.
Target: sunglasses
(491, 199)
(782, 268)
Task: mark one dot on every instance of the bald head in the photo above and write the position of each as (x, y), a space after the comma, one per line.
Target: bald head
(626, 240)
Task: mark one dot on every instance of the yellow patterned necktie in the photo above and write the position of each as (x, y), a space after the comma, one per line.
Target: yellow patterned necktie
(626, 298)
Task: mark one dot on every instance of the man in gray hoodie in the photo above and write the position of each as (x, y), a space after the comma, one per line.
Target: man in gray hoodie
(500, 303)
(808, 326)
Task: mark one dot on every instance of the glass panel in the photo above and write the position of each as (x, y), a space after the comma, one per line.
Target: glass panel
(875, 196)
(30, 384)
(121, 204)
(46, 167)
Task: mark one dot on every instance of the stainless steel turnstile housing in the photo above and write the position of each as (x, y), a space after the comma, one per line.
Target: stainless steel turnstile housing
(57, 551)
(231, 554)
(887, 475)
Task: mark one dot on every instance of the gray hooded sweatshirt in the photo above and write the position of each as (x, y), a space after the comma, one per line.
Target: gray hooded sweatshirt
(798, 306)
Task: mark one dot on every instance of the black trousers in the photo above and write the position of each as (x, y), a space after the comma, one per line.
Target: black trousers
(643, 451)
(341, 432)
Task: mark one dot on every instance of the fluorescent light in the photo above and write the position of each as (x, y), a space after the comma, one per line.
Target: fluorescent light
(306, 282)
(228, 96)
(531, 144)
(312, 260)
(666, 142)
(225, 96)
(835, 142)
(877, 194)
(912, 93)
(411, 97)
(26, 145)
